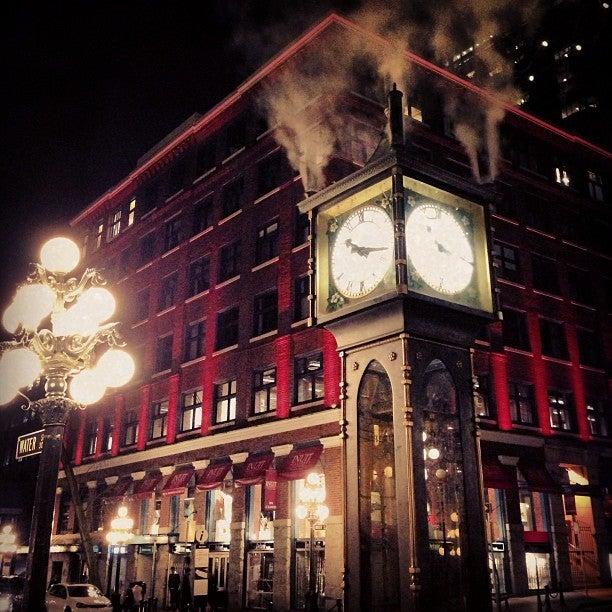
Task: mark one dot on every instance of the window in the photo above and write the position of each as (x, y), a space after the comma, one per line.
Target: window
(158, 426)
(206, 156)
(264, 390)
(142, 305)
(195, 340)
(130, 427)
(108, 425)
(265, 313)
(508, 203)
(562, 176)
(114, 226)
(164, 353)
(271, 172)
(147, 248)
(553, 339)
(561, 408)
(202, 216)
(596, 415)
(227, 328)
(579, 285)
(175, 506)
(413, 110)
(266, 246)
(308, 378)
(172, 234)
(149, 197)
(63, 524)
(143, 517)
(91, 436)
(537, 215)
(515, 332)
(545, 276)
(176, 178)
(229, 261)
(219, 517)
(231, 197)
(131, 212)
(302, 228)
(260, 522)
(99, 233)
(168, 291)
(506, 260)
(522, 403)
(191, 410)
(301, 303)
(595, 185)
(199, 276)
(589, 348)
(225, 401)
(482, 397)
(235, 136)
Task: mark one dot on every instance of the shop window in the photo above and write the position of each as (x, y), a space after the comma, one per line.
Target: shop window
(597, 417)
(561, 408)
(227, 328)
(163, 360)
(142, 305)
(229, 261)
(219, 517)
(172, 234)
(108, 426)
(260, 522)
(175, 510)
(143, 517)
(206, 156)
(167, 294)
(533, 506)
(554, 343)
(545, 274)
(538, 569)
(308, 380)
(131, 216)
(114, 225)
(99, 234)
(265, 313)
(506, 260)
(231, 197)
(266, 245)
(522, 403)
(202, 216)
(483, 402)
(259, 579)
(302, 229)
(589, 348)
(147, 248)
(158, 427)
(195, 340)
(264, 390)
(595, 184)
(496, 534)
(515, 331)
(199, 276)
(225, 401)
(91, 435)
(130, 427)
(191, 410)
(301, 303)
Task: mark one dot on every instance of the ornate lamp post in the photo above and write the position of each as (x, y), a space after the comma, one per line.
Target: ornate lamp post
(311, 497)
(120, 534)
(65, 358)
(8, 544)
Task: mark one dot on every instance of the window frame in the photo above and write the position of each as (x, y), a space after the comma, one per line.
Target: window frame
(195, 408)
(163, 353)
(265, 312)
(267, 390)
(503, 262)
(229, 261)
(232, 194)
(266, 242)
(523, 340)
(199, 275)
(567, 414)
(301, 301)
(168, 291)
(222, 323)
(158, 418)
(225, 400)
(199, 339)
(553, 341)
(130, 425)
(522, 394)
(309, 375)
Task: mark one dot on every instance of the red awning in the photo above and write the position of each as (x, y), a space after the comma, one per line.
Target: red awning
(119, 489)
(146, 486)
(300, 461)
(178, 482)
(536, 537)
(213, 475)
(496, 475)
(253, 470)
(537, 477)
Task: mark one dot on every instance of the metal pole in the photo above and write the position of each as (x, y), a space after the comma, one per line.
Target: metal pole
(153, 570)
(54, 410)
(117, 568)
(109, 571)
(312, 578)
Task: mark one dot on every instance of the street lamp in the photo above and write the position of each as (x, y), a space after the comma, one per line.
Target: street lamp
(311, 507)
(120, 534)
(8, 544)
(65, 357)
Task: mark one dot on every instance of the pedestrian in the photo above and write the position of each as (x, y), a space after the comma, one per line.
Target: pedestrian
(138, 595)
(128, 600)
(174, 586)
(186, 602)
(116, 600)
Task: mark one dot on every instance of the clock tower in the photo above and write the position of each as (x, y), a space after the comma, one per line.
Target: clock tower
(402, 279)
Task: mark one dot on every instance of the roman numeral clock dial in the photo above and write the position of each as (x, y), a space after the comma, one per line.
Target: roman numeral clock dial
(362, 251)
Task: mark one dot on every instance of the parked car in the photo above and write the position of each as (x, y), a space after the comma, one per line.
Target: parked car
(62, 597)
(11, 593)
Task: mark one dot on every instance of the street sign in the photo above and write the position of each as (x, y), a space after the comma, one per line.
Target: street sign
(29, 444)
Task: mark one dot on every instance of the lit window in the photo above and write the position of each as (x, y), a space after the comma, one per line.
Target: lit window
(130, 427)
(225, 401)
(264, 391)
(131, 212)
(308, 378)
(164, 353)
(561, 408)
(99, 233)
(598, 420)
(158, 427)
(91, 436)
(107, 434)
(191, 417)
(219, 506)
(562, 177)
(195, 340)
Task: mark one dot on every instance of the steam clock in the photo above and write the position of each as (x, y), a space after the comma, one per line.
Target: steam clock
(402, 279)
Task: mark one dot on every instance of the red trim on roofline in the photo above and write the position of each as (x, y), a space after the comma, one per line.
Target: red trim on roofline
(291, 50)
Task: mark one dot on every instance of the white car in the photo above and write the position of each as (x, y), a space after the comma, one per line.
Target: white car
(63, 597)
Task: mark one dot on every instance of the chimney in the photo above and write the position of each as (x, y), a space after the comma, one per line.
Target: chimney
(396, 118)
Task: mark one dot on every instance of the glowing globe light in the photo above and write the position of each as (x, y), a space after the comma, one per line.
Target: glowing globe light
(31, 304)
(301, 512)
(433, 453)
(115, 368)
(60, 255)
(87, 388)
(7, 392)
(95, 306)
(322, 512)
(20, 367)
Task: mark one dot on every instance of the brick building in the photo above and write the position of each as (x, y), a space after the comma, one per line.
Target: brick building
(239, 383)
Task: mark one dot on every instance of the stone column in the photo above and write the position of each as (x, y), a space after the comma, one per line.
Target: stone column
(559, 540)
(283, 537)
(516, 543)
(236, 568)
(334, 531)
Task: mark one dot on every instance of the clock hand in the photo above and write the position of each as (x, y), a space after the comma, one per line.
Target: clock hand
(362, 250)
(443, 249)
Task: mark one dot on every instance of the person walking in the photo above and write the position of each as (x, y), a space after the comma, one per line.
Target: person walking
(138, 595)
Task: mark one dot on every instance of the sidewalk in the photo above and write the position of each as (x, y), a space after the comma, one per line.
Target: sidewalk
(598, 599)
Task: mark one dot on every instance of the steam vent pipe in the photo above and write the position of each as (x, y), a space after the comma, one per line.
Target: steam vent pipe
(396, 117)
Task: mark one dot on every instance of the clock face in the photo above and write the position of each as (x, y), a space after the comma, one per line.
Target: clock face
(439, 248)
(362, 251)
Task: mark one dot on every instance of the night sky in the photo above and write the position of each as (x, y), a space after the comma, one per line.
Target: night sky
(90, 86)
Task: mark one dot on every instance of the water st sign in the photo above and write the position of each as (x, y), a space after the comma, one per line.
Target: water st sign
(29, 444)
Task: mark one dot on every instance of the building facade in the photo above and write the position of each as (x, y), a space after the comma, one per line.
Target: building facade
(244, 384)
